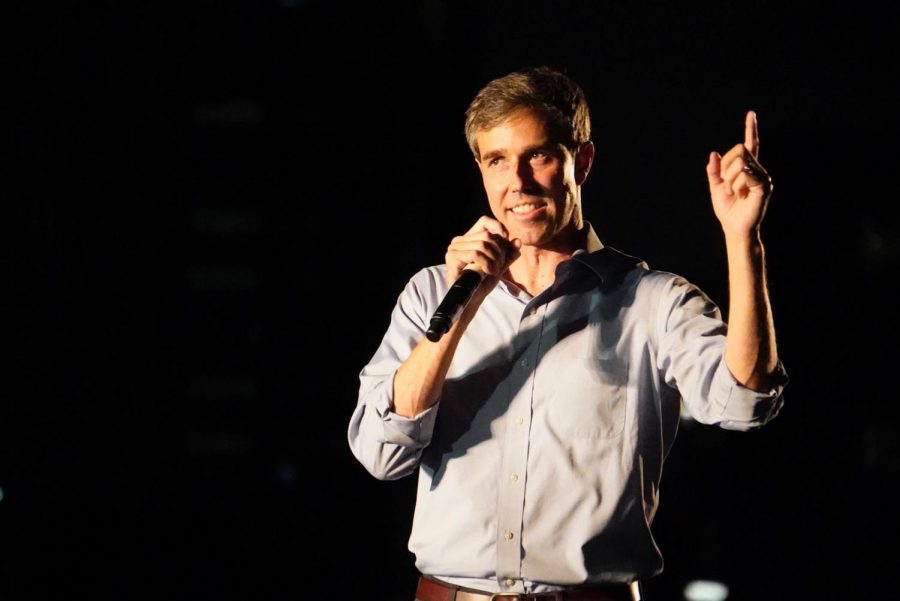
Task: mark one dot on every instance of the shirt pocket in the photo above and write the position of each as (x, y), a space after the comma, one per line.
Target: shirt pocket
(591, 398)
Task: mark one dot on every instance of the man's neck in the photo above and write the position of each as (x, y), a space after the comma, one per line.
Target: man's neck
(535, 269)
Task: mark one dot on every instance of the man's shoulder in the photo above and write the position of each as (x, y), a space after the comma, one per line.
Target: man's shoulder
(428, 282)
(620, 268)
(429, 275)
(611, 265)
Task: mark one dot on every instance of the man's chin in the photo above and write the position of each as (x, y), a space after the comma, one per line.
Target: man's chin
(528, 238)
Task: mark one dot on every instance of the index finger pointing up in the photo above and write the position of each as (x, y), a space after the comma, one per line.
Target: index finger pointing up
(751, 134)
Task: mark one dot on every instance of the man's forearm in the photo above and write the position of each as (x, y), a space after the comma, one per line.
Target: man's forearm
(419, 379)
(750, 349)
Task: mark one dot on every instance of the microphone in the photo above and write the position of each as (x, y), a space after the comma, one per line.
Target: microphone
(454, 302)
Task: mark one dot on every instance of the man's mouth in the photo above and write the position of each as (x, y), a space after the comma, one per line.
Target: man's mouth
(526, 208)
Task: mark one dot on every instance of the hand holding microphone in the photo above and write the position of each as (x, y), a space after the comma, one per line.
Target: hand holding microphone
(484, 252)
(454, 302)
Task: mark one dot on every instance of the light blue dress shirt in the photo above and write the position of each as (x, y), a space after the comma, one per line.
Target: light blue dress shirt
(540, 465)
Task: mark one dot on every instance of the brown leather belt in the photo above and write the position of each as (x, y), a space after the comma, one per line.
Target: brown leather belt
(432, 589)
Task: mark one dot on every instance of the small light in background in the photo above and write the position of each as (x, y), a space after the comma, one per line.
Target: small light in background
(705, 590)
(1, 493)
(286, 474)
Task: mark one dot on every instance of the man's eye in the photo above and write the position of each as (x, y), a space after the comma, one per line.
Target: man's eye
(494, 162)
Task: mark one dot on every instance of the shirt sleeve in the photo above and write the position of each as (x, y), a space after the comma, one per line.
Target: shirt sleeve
(692, 360)
(389, 445)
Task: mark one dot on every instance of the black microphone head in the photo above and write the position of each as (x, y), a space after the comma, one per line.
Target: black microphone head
(437, 328)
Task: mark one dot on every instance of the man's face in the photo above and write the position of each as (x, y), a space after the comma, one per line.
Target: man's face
(531, 182)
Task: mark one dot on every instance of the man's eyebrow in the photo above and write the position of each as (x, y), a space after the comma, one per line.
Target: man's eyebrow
(545, 146)
(499, 152)
(493, 154)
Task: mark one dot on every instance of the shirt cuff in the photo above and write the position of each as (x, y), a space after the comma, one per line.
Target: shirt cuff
(744, 407)
(405, 431)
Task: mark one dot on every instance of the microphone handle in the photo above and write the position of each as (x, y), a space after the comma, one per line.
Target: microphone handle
(454, 302)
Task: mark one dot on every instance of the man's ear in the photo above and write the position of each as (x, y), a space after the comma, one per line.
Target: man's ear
(584, 158)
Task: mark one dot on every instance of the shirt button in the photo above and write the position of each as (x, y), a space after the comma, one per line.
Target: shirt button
(509, 582)
(519, 421)
(508, 535)
(514, 477)
(525, 362)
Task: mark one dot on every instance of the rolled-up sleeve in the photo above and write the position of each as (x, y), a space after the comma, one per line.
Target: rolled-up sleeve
(692, 359)
(745, 408)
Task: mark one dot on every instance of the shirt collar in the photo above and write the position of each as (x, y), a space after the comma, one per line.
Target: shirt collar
(591, 242)
(607, 263)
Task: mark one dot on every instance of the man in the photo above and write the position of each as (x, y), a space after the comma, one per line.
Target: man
(539, 422)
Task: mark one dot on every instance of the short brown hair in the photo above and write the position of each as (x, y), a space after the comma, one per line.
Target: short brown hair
(543, 89)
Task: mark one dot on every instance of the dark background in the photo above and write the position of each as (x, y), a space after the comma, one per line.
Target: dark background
(211, 208)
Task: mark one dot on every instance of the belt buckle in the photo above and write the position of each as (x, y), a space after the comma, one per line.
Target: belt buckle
(501, 595)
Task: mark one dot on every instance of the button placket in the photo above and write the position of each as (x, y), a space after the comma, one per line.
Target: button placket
(515, 453)
(512, 489)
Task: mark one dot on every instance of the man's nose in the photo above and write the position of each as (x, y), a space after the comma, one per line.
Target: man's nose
(521, 176)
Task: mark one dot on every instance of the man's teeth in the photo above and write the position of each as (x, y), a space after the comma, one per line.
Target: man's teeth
(526, 208)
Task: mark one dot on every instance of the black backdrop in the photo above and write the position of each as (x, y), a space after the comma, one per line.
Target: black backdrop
(211, 208)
